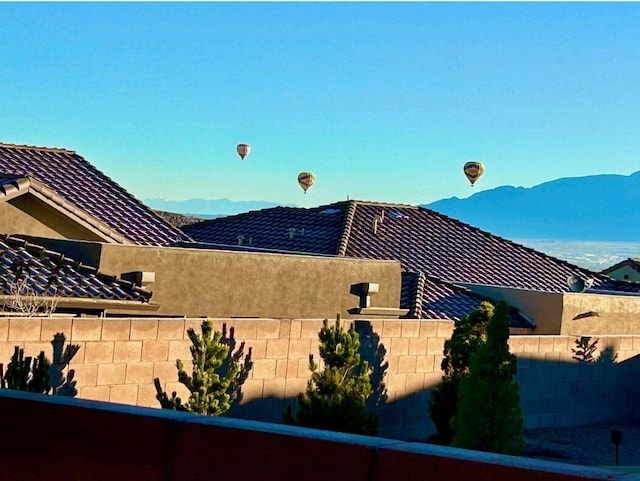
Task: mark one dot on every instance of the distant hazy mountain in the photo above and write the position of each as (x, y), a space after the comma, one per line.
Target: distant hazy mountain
(207, 208)
(592, 208)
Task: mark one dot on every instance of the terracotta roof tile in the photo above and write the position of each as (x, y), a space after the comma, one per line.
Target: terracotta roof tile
(54, 274)
(82, 185)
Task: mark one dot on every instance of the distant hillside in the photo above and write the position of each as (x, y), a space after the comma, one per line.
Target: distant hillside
(207, 208)
(178, 220)
(592, 208)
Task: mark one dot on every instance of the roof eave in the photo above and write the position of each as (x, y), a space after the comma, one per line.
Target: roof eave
(87, 303)
(60, 204)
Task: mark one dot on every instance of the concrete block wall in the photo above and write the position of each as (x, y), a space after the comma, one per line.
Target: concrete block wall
(119, 358)
(555, 390)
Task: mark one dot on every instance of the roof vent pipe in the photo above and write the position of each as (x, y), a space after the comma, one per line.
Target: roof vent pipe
(293, 233)
(241, 240)
(378, 219)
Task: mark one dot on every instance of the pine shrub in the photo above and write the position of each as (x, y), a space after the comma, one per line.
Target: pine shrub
(217, 375)
(336, 396)
(489, 417)
(468, 335)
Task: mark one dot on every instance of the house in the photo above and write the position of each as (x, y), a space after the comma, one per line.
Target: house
(36, 280)
(448, 266)
(56, 200)
(425, 265)
(627, 270)
(56, 193)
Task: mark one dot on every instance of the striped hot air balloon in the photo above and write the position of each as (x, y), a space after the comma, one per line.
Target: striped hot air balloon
(473, 170)
(306, 180)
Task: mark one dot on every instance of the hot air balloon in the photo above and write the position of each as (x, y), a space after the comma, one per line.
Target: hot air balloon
(306, 180)
(243, 150)
(473, 170)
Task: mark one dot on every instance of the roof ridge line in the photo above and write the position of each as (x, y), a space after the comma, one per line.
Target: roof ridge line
(346, 228)
(385, 204)
(34, 147)
(420, 292)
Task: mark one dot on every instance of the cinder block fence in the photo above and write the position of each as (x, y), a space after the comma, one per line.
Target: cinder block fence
(119, 358)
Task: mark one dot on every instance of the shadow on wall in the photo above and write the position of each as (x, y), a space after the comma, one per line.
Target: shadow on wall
(272, 409)
(31, 374)
(564, 394)
(552, 394)
(61, 384)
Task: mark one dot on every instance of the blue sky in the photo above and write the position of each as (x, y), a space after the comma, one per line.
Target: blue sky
(382, 101)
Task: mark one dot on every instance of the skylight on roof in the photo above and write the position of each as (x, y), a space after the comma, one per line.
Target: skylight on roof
(330, 211)
(396, 215)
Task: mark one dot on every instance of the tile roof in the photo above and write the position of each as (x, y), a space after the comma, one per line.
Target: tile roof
(430, 298)
(423, 240)
(71, 182)
(316, 230)
(50, 273)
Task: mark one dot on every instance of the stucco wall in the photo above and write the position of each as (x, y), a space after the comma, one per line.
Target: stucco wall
(569, 313)
(600, 314)
(217, 283)
(30, 216)
(543, 308)
(118, 359)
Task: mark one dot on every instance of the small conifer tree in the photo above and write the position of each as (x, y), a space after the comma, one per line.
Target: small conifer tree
(468, 335)
(489, 417)
(217, 376)
(336, 397)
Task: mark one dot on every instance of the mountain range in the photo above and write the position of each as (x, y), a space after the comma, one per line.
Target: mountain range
(207, 208)
(592, 208)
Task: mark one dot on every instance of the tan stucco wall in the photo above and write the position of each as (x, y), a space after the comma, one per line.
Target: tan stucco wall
(543, 308)
(587, 314)
(30, 216)
(199, 282)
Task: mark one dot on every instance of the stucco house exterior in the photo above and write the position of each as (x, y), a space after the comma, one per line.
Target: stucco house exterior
(626, 270)
(448, 267)
(294, 262)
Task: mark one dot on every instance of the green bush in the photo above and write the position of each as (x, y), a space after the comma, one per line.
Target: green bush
(468, 335)
(336, 397)
(489, 416)
(217, 375)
